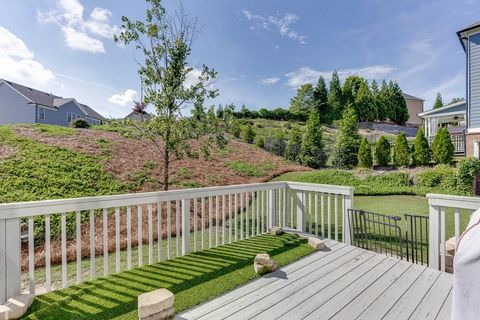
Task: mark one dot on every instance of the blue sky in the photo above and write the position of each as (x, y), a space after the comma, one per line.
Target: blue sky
(262, 50)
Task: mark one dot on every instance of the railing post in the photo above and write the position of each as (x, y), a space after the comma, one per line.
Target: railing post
(185, 226)
(272, 208)
(434, 237)
(10, 259)
(286, 205)
(301, 211)
(346, 223)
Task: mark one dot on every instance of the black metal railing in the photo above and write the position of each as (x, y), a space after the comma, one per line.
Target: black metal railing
(383, 233)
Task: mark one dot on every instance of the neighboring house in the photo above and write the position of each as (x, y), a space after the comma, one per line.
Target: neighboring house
(452, 116)
(21, 104)
(415, 107)
(470, 40)
(139, 116)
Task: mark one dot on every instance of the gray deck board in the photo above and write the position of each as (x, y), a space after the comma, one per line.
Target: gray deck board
(342, 282)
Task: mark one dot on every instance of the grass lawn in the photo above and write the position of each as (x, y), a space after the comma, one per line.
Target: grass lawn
(193, 279)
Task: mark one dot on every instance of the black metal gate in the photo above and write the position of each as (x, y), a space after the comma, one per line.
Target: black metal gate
(383, 233)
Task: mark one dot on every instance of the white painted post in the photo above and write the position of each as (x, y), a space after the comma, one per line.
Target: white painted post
(186, 226)
(346, 223)
(434, 237)
(301, 212)
(10, 256)
(285, 207)
(272, 208)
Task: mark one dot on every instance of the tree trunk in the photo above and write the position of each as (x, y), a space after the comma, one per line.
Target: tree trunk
(166, 164)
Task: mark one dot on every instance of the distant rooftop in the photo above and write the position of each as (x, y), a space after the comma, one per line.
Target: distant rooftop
(408, 96)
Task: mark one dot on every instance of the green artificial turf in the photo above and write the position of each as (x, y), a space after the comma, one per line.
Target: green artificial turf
(194, 278)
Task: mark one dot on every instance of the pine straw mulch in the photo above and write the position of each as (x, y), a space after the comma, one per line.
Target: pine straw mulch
(123, 157)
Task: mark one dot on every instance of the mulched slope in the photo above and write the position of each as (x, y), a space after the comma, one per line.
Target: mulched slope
(128, 156)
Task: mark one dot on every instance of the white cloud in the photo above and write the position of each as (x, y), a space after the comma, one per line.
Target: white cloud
(18, 63)
(269, 81)
(122, 99)
(308, 75)
(451, 88)
(79, 33)
(281, 24)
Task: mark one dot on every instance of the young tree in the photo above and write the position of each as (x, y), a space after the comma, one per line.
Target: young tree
(365, 154)
(398, 106)
(383, 152)
(165, 42)
(401, 151)
(293, 148)
(302, 102)
(335, 100)
(320, 100)
(383, 102)
(421, 150)
(442, 147)
(438, 101)
(364, 104)
(347, 141)
(351, 86)
(248, 133)
(311, 152)
(375, 92)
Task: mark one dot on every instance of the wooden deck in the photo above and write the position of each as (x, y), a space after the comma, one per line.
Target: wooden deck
(341, 282)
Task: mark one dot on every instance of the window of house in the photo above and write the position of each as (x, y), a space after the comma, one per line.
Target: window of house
(69, 117)
(41, 114)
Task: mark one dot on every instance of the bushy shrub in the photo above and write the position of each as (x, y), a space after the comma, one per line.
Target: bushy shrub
(293, 148)
(248, 134)
(365, 154)
(235, 129)
(347, 141)
(421, 153)
(441, 177)
(260, 141)
(442, 148)
(312, 152)
(467, 169)
(81, 123)
(382, 152)
(401, 151)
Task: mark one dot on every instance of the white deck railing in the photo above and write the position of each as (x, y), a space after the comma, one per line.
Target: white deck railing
(169, 223)
(445, 212)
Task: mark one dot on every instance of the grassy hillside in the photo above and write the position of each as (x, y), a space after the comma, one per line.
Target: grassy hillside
(49, 162)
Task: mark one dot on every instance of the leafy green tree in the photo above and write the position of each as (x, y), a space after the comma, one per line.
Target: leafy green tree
(398, 111)
(335, 100)
(375, 92)
(165, 43)
(421, 150)
(382, 152)
(320, 100)
(455, 100)
(312, 148)
(351, 86)
(365, 154)
(303, 101)
(235, 128)
(293, 148)
(364, 104)
(278, 143)
(248, 133)
(383, 102)
(220, 111)
(347, 141)
(401, 151)
(438, 101)
(245, 112)
(443, 149)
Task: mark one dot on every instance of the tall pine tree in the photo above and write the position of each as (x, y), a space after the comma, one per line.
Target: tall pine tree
(438, 101)
(335, 97)
(293, 148)
(302, 102)
(347, 141)
(320, 100)
(364, 104)
(383, 102)
(312, 149)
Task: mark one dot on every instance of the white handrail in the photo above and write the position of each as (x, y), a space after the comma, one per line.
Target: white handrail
(223, 212)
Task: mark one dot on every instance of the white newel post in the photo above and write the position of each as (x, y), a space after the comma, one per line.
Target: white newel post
(346, 223)
(10, 259)
(272, 208)
(434, 237)
(185, 226)
(301, 211)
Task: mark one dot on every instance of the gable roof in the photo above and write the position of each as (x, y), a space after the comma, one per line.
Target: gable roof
(457, 107)
(50, 100)
(462, 34)
(408, 96)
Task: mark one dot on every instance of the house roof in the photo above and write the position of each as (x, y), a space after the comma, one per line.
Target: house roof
(457, 107)
(464, 32)
(133, 115)
(50, 100)
(408, 96)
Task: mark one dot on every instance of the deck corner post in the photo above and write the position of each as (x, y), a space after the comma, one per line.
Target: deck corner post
(272, 208)
(346, 221)
(10, 259)
(301, 211)
(434, 237)
(185, 226)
